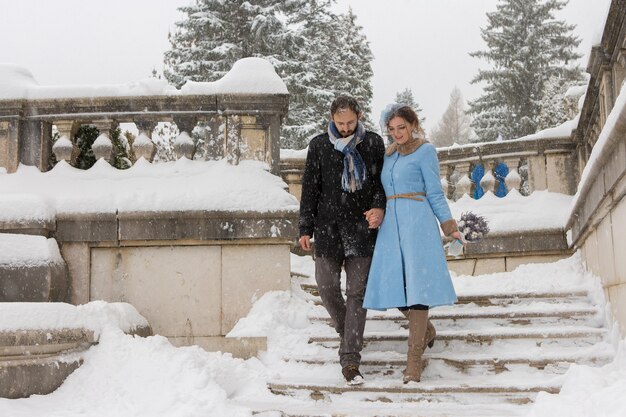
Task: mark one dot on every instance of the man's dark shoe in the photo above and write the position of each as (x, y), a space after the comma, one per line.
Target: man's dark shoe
(352, 375)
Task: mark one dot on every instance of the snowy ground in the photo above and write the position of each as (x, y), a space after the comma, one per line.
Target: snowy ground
(132, 376)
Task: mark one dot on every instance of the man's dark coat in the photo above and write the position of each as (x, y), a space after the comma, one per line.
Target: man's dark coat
(335, 217)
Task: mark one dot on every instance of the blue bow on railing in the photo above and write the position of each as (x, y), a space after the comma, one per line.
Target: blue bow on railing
(500, 172)
(477, 175)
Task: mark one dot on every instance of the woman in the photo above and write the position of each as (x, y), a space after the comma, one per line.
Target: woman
(409, 269)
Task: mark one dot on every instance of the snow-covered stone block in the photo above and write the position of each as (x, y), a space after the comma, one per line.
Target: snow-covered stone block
(26, 214)
(31, 269)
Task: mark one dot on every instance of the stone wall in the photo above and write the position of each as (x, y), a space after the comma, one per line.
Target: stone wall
(598, 220)
(190, 276)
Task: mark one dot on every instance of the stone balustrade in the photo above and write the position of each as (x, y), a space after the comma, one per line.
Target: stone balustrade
(241, 120)
(524, 165)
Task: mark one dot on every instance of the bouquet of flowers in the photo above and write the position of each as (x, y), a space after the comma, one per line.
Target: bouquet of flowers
(472, 226)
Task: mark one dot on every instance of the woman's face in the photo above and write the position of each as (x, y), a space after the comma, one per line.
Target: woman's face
(400, 130)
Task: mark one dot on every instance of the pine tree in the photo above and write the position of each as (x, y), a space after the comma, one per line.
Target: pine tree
(316, 52)
(526, 46)
(216, 33)
(454, 126)
(406, 97)
(556, 108)
(335, 59)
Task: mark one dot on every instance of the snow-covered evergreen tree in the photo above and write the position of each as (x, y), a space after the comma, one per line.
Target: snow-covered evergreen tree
(454, 126)
(216, 33)
(526, 46)
(335, 59)
(406, 97)
(318, 54)
(556, 107)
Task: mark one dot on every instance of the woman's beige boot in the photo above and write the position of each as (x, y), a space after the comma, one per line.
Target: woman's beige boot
(431, 333)
(418, 322)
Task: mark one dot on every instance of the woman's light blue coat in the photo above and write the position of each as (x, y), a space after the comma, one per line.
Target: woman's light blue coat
(409, 265)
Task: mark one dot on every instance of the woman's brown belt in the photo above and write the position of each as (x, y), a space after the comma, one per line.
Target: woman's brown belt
(412, 196)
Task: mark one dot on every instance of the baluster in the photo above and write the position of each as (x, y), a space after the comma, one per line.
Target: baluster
(488, 181)
(184, 145)
(513, 180)
(102, 146)
(464, 184)
(64, 148)
(143, 145)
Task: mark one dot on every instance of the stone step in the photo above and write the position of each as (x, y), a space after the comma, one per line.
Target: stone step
(43, 342)
(384, 360)
(479, 340)
(342, 406)
(396, 392)
(20, 377)
(494, 299)
(450, 318)
(38, 361)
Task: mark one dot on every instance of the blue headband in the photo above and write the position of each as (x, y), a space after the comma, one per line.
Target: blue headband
(386, 114)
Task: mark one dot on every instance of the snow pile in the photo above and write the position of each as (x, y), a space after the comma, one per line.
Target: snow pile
(25, 208)
(131, 376)
(564, 130)
(533, 278)
(515, 213)
(293, 153)
(95, 316)
(26, 251)
(170, 186)
(15, 81)
(248, 76)
(588, 391)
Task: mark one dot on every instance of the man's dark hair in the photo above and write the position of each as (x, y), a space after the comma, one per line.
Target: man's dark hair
(343, 103)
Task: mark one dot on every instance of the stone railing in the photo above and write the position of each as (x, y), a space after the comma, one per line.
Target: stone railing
(524, 165)
(531, 164)
(241, 123)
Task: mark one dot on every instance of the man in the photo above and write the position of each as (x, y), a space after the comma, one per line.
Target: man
(342, 206)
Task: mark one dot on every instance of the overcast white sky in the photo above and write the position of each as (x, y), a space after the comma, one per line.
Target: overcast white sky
(420, 44)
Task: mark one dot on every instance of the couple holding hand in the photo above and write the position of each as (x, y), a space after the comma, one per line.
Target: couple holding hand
(374, 212)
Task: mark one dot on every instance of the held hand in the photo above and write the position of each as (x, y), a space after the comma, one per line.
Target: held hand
(305, 242)
(457, 235)
(374, 217)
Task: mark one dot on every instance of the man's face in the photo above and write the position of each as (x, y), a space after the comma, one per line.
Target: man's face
(345, 121)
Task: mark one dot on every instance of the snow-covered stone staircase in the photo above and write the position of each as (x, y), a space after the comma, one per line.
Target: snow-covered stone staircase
(495, 351)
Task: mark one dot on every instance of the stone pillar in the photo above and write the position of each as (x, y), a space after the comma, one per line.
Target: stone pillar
(537, 176)
(559, 170)
(233, 139)
(35, 143)
(274, 143)
(513, 179)
(215, 139)
(9, 149)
